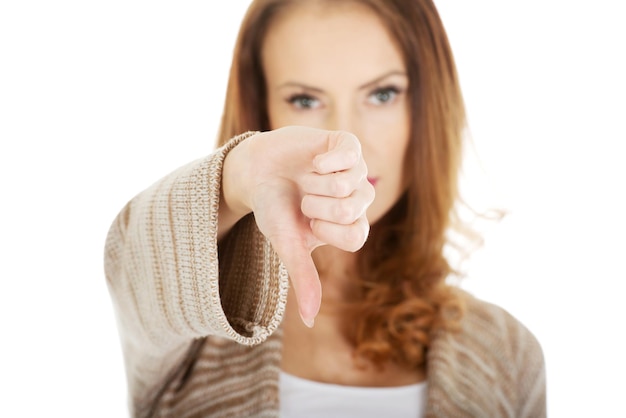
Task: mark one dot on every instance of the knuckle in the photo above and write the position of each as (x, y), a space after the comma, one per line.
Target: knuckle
(355, 141)
(352, 158)
(341, 188)
(345, 212)
(371, 193)
(355, 237)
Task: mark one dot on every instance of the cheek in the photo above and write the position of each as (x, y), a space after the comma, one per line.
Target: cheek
(388, 138)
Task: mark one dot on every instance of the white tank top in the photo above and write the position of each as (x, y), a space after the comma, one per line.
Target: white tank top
(304, 398)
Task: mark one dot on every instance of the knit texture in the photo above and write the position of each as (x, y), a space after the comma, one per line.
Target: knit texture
(200, 327)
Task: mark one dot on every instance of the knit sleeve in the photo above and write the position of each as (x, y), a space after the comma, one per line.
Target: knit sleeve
(167, 285)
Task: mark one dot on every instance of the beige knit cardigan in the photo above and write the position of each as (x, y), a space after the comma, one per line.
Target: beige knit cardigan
(202, 338)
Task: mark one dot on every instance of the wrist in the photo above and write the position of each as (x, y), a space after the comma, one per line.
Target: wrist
(234, 195)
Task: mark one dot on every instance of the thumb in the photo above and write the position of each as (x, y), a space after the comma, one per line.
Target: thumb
(304, 278)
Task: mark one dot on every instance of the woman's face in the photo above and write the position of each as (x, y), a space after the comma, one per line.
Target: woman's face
(335, 67)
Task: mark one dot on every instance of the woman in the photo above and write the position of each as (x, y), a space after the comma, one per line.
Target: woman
(199, 264)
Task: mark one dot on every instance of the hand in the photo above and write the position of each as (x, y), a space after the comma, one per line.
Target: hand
(306, 187)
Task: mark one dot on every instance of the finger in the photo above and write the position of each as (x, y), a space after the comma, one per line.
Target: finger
(344, 152)
(337, 184)
(345, 237)
(304, 277)
(343, 211)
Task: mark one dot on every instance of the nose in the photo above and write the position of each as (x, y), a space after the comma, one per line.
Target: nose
(349, 119)
(343, 118)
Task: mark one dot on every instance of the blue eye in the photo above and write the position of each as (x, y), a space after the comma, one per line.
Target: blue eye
(303, 101)
(383, 95)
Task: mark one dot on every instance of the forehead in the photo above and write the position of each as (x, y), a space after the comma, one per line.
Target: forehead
(322, 42)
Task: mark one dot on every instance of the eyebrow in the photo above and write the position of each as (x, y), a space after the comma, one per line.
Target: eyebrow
(382, 77)
(364, 86)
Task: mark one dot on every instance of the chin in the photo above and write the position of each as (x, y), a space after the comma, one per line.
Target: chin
(379, 209)
(374, 214)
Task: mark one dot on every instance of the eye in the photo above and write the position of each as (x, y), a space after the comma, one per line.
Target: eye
(383, 95)
(303, 101)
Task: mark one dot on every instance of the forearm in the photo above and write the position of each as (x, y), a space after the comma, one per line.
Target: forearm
(161, 263)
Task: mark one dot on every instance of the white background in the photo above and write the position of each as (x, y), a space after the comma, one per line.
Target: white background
(98, 99)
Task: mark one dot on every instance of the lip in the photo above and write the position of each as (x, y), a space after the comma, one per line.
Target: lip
(373, 180)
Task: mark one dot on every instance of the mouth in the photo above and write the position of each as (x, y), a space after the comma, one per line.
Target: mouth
(373, 180)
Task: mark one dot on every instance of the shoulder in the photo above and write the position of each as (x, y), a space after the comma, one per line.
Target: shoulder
(487, 325)
(492, 363)
(497, 339)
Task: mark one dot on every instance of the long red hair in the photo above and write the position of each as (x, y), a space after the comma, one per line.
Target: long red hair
(402, 297)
